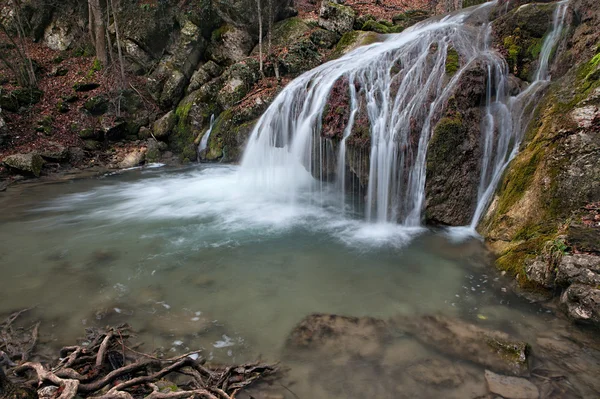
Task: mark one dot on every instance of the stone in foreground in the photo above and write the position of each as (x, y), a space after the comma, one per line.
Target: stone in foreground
(29, 163)
(511, 387)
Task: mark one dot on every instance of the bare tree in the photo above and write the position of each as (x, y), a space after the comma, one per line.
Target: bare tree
(272, 56)
(19, 63)
(260, 33)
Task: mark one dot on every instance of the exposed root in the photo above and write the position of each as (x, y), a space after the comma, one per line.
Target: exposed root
(107, 359)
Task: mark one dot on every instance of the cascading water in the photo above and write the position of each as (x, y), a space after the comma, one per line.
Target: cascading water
(206, 136)
(403, 87)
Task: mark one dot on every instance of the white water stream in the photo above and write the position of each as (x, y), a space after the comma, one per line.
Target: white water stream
(402, 79)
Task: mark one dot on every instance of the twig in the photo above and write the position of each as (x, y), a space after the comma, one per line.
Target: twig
(103, 348)
(34, 339)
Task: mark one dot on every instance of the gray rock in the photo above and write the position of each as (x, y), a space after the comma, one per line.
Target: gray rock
(582, 303)
(585, 116)
(229, 45)
(55, 152)
(336, 17)
(132, 159)
(163, 127)
(511, 387)
(492, 349)
(324, 39)
(241, 13)
(29, 163)
(238, 81)
(58, 35)
(540, 272)
(76, 155)
(579, 269)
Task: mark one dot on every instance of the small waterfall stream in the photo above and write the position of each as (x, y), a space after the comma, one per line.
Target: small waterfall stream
(403, 87)
(206, 136)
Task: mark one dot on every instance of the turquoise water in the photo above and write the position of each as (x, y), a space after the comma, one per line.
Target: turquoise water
(198, 258)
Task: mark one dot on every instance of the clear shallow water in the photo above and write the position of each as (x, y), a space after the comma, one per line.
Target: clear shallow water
(201, 257)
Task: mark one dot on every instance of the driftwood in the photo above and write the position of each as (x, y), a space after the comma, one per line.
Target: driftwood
(107, 367)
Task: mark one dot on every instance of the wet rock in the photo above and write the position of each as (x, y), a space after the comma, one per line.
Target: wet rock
(132, 159)
(493, 349)
(511, 387)
(582, 303)
(353, 40)
(153, 150)
(30, 163)
(438, 373)
(84, 87)
(163, 127)
(336, 17)
(339, 335)
(229, 45)
(454, 153)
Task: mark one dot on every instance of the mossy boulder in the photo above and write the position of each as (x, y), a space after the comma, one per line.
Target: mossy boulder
(519, 35)
(285, 33)
(353, 40)
(97, 105)
(229, 45)
(193, 117)
(410, 17)
(324, 39)
(301, 57)
(238, 81)
(164, 126)
(336, 17)
(242, 14)
(203, 75)
(30, 163)
(380, 27)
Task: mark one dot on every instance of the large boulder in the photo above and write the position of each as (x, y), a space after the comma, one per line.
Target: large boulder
(164, 126)
(30, 163)
(203, 75)
(193, 117)
(336, 17)
(238, 81)
(582, 303)
(167, 83)
(229, 44)
(59, 35)
(454, 153)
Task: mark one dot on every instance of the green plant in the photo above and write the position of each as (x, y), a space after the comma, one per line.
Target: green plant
(554, 250)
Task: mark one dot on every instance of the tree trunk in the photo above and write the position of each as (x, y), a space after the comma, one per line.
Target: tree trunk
(260, 32)
(120, 52)
(99, 31)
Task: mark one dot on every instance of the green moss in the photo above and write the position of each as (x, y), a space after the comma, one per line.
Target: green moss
(535, 48)
(447, 136)
(518, 180)
(452, 61)
(217, 34)
(375, 26)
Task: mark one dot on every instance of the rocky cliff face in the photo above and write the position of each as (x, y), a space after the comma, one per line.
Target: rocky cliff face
(546, 204)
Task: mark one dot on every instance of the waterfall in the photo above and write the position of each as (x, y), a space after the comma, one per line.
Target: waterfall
(507, 115)
(402, 87)
(206, 136)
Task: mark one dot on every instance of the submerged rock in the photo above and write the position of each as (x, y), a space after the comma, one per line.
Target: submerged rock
(511, 387)
(492, 349)
(29, 163)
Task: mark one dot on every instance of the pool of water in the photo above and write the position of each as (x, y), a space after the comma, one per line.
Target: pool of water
(202, 257)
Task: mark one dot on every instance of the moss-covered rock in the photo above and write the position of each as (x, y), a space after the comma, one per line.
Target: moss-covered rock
(30, 163)
(229, 45)
(193, 116)
(238, 81)
(552, 178)
(336, 17)
(301, 57)
(381, 27)
(97, 105)
(410, 17)
(285, 33)
(324, 39)
(519, 35)
(352, 40)
(164, 126)
(452, 61)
